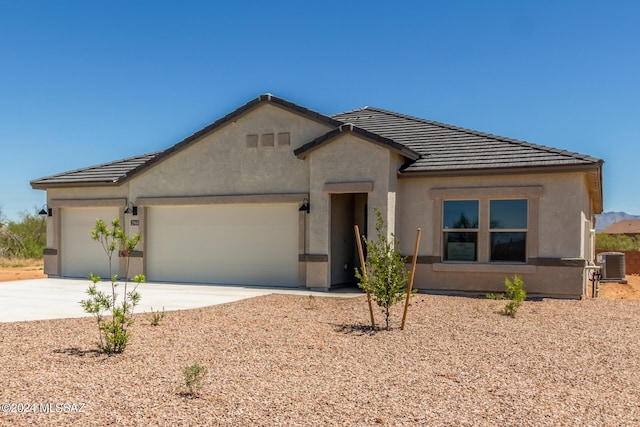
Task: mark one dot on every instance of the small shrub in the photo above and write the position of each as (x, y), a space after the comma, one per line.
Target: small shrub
(156, 316)
(386, 275)
(311, 302)
(114, 333)
(194, 378)
(515, 293)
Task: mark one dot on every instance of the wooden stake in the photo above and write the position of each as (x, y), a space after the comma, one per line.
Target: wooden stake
(364, 273)
(413, 273)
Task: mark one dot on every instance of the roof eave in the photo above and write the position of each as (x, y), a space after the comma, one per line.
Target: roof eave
(47, 185)
(590, 167)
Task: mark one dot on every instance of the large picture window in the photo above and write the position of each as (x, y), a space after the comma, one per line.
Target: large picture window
(508, 225)
(460, 230)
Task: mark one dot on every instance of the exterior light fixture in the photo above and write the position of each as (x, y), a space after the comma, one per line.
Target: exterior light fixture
(305, 206)
(45, 211)
(131, 209)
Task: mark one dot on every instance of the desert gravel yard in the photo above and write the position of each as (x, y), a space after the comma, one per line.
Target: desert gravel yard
(294, 360)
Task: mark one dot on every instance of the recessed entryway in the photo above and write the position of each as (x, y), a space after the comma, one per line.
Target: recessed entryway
(347, 210)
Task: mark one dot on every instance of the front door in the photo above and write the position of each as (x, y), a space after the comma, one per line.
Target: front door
(347, 210)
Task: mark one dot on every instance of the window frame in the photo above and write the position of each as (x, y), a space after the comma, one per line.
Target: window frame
(475, 190)
(491, 230)
(445, 231)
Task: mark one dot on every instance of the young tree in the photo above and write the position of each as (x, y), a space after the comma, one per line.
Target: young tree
(386, 275)
(114, 332)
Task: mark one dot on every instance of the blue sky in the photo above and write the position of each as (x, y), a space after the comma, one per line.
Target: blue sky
(86, 82)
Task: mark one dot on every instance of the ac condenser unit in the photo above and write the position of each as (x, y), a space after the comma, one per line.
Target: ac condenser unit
(613, 267)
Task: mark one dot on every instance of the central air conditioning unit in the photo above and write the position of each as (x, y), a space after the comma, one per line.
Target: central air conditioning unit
(613, 267)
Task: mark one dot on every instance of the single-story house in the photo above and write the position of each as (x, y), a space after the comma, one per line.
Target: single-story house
(269, 195)
(628, 227)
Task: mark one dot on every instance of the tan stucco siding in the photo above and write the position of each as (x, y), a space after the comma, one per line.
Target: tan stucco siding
(538, 280)
(348, 159)
(558, 205)
(561, 212)
(221, 163)
(560, 209)
(102, 192)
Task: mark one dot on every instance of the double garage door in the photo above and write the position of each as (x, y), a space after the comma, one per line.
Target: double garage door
(252, 244)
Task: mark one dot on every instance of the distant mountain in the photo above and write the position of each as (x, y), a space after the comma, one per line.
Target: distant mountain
(608, 218)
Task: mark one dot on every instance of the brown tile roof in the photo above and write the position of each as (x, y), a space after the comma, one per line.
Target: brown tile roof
(626, 226)
(103, 174)
(445, 148)
(114, 173)
(429, 147)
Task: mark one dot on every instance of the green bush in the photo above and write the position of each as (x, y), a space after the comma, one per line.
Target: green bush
(515, 293)
(617, 242)
(194, 378)
(23, 239)
(156, 316)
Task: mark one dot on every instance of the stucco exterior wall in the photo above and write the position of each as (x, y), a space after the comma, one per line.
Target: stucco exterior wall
(539, 280)
(556, 231)
(348, 159)
(563, 202)
(254, 156)
(221, 163)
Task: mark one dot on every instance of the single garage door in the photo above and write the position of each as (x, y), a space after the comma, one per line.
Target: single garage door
(80, 254)
(253, 244)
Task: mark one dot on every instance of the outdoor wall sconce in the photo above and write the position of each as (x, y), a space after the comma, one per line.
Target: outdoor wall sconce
(131, 209)
(45, 211)
(305, 206)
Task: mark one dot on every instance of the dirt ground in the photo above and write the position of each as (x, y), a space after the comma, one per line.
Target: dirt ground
(630, 290)
(21, 269)
(33, 269)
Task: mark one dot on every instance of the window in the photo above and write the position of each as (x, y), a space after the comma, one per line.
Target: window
(508, 230)
(486, 225)
(460, 229)
(468, 235)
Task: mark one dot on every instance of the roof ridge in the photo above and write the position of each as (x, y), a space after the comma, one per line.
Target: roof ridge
(350, 111)
(479, 133)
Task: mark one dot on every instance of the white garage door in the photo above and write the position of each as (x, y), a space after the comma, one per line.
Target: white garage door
(81, 254)
(225, 244)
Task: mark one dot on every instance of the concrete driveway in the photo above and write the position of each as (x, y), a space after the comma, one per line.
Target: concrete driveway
(41, 299)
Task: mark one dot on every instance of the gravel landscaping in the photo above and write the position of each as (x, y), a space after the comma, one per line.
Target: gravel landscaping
(296, 360)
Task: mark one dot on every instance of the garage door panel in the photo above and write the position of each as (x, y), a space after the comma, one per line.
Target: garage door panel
(229, 244)
(80, 254)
